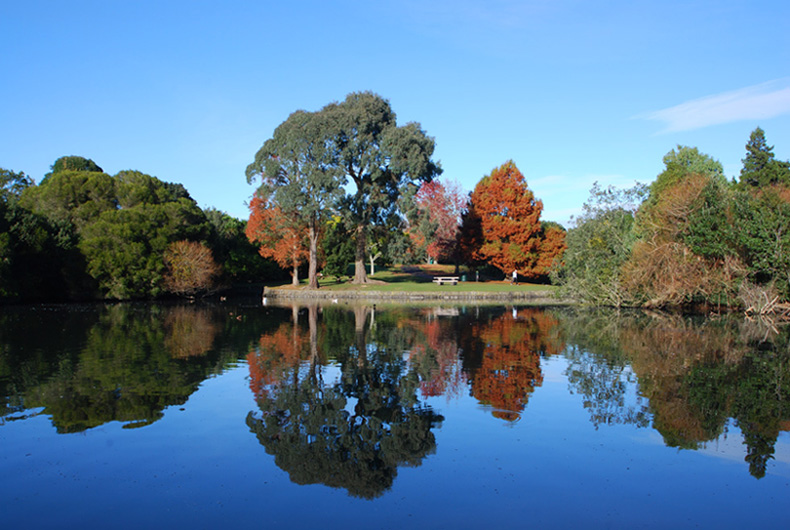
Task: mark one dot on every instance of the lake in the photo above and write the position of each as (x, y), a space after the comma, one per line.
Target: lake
(386, 416)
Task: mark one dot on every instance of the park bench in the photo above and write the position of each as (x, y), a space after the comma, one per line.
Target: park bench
(445, 279)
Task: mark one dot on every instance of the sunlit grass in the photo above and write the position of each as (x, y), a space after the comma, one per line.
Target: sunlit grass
(418, 279)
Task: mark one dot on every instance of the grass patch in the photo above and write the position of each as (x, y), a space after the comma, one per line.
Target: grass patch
(419, 278)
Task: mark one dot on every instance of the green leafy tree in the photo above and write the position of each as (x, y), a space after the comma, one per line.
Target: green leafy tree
(380, 158)
(77, 197)
(125, 248)
(709, 232)
(679, 164)
(299, 175)
(38, 255)
(12, 184)
(760, 167)
(599, 245)
(762, 238)
(338, 248)
(73, 163)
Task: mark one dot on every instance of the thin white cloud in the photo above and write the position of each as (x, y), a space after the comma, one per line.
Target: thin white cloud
(763, 101)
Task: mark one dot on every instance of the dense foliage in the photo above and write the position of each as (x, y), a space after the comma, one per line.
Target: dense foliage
(696, 237)
(504, 229)
(83, 234)
(312, 155)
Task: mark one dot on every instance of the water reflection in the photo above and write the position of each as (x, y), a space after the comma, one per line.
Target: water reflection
(87, 366)
(343, 393)
(352, 430)
(338, 388)
(694, 376)
(502, 356)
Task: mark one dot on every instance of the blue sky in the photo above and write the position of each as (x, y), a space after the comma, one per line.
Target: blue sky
(573, 91)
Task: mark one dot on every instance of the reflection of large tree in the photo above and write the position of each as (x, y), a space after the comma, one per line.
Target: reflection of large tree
(351, 433)
(696, 374)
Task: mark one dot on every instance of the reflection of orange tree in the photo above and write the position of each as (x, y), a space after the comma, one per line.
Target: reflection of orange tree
(436, 358)
(513, 345)
(276, 354)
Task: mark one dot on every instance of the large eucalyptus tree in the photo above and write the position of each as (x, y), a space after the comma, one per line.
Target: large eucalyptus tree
(312, 155)
(380, 158)
(299, 174)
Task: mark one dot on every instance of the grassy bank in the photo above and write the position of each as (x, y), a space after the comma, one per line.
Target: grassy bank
(419, 279)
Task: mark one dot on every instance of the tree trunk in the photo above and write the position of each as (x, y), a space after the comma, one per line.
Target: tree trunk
(295, 274)
(360, 275)
(360, 318)
(312, 274)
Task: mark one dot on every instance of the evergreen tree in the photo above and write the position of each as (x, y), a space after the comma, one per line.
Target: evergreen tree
(760, 168)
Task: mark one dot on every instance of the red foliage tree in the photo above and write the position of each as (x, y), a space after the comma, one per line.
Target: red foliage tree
(280, 238)
(510, 236)
(435, 222)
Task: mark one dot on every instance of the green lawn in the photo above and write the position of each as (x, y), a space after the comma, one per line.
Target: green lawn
(419, 279)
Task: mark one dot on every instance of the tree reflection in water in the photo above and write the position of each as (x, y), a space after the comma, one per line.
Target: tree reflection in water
(352, 432)
(695, 374)
(94, 365)
(342, 392)
(503, 356)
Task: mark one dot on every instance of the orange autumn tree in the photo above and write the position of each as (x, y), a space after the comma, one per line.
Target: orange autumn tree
(510, 232)
(280, 239)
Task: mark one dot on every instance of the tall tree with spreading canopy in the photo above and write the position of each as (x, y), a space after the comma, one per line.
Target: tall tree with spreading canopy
(509, 216)
(300, 176)
(380, 158)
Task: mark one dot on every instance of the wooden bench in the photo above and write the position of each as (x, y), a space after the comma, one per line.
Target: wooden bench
(446, 279)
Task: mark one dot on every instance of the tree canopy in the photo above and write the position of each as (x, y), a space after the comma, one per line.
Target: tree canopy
(380, 158)
(760, 167)
(510, 234)
(300, 177)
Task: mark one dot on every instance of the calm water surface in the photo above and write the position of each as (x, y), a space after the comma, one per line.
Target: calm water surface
(382, 417)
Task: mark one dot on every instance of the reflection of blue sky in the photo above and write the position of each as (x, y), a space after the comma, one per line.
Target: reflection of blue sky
(729, 446)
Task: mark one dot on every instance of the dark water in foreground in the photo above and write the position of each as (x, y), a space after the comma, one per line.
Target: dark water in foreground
(427, 417)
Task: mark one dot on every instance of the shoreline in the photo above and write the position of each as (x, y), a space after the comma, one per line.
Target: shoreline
(359, 294)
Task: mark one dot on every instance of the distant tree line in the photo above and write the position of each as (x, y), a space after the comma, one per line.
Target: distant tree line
(690, 237)
(81, 234)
